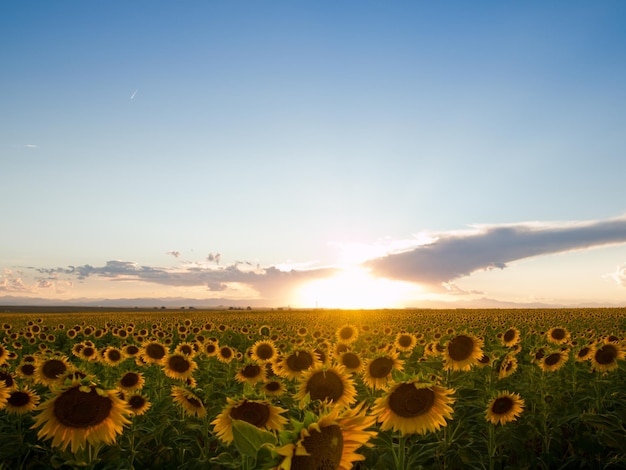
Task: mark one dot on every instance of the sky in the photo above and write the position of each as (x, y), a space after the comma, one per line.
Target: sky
(351, 154)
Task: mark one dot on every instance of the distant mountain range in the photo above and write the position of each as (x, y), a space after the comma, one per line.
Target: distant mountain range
(181, 302)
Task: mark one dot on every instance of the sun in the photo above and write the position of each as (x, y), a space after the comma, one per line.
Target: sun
(354, 288)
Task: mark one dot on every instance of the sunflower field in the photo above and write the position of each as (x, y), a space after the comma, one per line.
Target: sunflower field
(317, 389)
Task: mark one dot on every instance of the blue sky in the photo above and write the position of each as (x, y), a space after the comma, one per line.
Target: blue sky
(359, 154)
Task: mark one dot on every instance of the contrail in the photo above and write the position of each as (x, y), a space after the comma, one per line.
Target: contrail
(132, 97)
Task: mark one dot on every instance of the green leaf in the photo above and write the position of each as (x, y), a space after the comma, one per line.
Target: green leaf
(249, 439)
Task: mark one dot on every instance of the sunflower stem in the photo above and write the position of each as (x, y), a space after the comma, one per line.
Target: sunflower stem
(491, 446)
(401, 455)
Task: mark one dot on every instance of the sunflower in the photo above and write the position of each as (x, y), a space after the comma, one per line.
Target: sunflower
(329, 442)
(405, 342)
(131, 381)
(4, 395)
(351, 362)
(260, 413)
(153, 352)
(511, 337)
(138, 404)
(605, 357)
(294, 364)
(558, 335)
(504, 408)
(209, 348)
(188, 349)
(7, 379)
(21, 401)
(413, 407)
(112, 356)
(462, 352)
(347, 334)
(377, 371)
(87, 352)
(178, 366)
(273, 388)
(225, 354)
(508, 366)
(81, 414)
(584, 353)
(553, 361)
(4, 354)
(52, 370)
(26, 370)
(263, 351)
(189, 401)
(251, 373)
(327, 384)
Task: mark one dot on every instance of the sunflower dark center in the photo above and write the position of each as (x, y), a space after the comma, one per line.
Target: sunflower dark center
(351, 360)
(607, 354)
(558, 333)
(408, 402)
(552, 359)
(264, 351)
(88, 351)
(194, 402)
(272, 386)
(460, 348)
(509, 335)
(19, 399)
(250, 371)
(325, 385)
(226, 352)
(583, 352)
(130, 379)
(299, 361)
(257, 414)
(346, 333)
(210, 348)
(405, 341)
(178, 364)
(76, 409)
(114, 355)
(132, 350)
(155, 351)
(137, 402)
(186, 349)
(325, 449)
(380, 367)
(27, 369)
(502, 405)
(53, 368)
(7, 379)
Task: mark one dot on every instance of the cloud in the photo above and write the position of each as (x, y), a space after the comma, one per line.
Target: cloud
(31, 146)
(619, 275)
(174, 253)
(452, 255)
(270, 282)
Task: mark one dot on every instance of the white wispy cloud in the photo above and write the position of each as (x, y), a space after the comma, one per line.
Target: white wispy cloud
(619, 275)
(451, 255)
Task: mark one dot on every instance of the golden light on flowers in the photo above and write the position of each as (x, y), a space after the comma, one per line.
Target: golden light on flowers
(138, 404)
(331, 442)
(260, 413)
(553, 361)
(251, 373)
(112, 356)
(21, 401)
(504, 408)
(508, 366)
(558, 335)
(294, 364)
(351, 362)
(462, 352)
(273, 388)
(414, 408)
(347, 334)
(153, 352)
(605, 357)
(377, 371)
(327, 384)
(78, 415)
(511, 337)
(51, 370)
(405, 342)
(4, 395)
(131, 381)
(263, 351)
(190, 403)
(178, 366)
